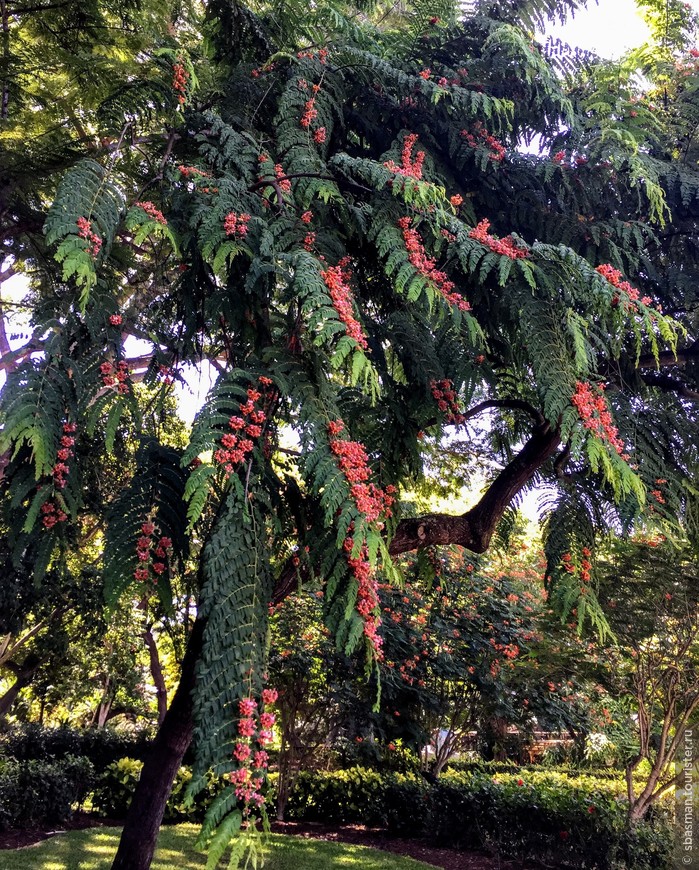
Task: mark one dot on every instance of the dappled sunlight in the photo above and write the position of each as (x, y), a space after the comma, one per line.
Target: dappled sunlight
(94, 850)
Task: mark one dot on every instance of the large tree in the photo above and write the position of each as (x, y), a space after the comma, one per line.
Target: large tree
(332, 210)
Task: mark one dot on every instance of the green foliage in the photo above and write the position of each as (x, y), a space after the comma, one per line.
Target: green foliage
(87, 192)
(155, 492)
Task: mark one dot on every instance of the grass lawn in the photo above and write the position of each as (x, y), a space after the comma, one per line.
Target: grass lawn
(93, 849)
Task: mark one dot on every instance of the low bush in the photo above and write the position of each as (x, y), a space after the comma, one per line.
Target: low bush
(40, 792)
(579, 821)
(115, 787)
(101, 746)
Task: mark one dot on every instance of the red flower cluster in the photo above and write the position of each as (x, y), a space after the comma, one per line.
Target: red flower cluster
(616, 279)
(559, 157)
(268, 67)
(116, 319)
(426, 266)
(51, 514)
(284, 183)
(408, 166)
(443, 392)
(374, 503)
(507, 247)
(307, 217)
(337, 283)
(85, 232)
(320, 135)
(309, 55)
(193, 172)
(310, 113)
(585, 565)
(595, 415)
(309, 240)
(254, 733)
(236, 225)
(179, 82)
(50, 511)
(152, 211)
(153, 551)
(353, 461)
(497, 151)
(116, 377)
(236, 445)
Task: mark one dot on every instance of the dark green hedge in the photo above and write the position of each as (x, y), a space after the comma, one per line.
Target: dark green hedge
(575, 821)
(101, 746)
(39, 793)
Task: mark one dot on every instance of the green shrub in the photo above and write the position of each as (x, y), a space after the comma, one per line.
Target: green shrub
(579, 820)
(116, 785)
(42, 792)
(101, 746)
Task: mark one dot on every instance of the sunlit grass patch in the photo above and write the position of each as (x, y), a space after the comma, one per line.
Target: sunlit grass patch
(94, 849)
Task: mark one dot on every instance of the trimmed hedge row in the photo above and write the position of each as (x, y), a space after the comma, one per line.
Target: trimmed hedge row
(101, 746)
(579, 821)
(40, 792)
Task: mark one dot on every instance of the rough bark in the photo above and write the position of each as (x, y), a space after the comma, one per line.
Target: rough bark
(145, 816)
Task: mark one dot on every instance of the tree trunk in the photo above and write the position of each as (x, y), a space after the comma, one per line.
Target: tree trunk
(156, 673)
(145, 816)
(24, 675)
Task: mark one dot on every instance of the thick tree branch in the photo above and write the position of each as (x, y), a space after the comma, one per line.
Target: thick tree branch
(671, 385)
(475, 528)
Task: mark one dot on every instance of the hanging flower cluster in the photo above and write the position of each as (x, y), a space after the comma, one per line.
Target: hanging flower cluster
(320, 135)
(152, 211)
(507, 247)
(616, 279)
(192, 172)
(236, 225)
(479, 137)
(280, 175)
(51, 511)
(375, 504)
(246, 427)
(321, 54)
(426, 266)
(309, 240)
(337, 281)
(180, 79)
(154, 552)
(592, 407)
(583, 570)
(115, 319)
(254, 733)
(268, 67)
(116, 377)
(408, 166)
(443, 391)
(93, 240)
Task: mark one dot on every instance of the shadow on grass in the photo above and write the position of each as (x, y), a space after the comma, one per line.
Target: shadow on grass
(94, 849)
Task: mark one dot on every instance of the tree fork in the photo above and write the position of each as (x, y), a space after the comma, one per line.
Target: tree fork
(140, 834)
